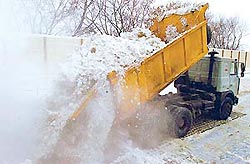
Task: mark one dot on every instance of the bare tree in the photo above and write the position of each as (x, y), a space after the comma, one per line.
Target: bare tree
(76, 17)
(227, 33)
(83, 8)
(112, 17)
(48, 16)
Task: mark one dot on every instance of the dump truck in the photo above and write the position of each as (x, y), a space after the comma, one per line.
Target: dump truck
(206, 85)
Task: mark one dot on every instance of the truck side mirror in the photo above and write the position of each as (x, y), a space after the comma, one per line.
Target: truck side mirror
(243, 68)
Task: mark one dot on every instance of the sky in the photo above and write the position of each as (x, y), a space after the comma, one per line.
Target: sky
(230, 8)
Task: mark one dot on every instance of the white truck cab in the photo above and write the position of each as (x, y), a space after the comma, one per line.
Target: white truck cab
(225, 76)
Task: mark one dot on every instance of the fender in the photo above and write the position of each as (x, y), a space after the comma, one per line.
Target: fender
(231, 95)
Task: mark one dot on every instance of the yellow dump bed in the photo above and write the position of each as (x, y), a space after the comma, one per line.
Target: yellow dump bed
(141, 84)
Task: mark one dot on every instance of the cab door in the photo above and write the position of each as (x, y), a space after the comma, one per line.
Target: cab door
(234, 78)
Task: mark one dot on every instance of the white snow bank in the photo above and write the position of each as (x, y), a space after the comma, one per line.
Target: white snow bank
(101, 54)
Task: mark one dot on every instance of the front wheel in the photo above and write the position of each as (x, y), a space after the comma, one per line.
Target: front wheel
(226, 108)
(224, 111)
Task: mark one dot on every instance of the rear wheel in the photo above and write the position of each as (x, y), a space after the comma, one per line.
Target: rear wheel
(182, 121)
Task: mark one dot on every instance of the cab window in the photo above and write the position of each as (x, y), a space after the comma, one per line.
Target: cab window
(233, 68)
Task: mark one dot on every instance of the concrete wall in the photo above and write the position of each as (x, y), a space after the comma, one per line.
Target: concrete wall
(242, 56)
(55, 48)
(52, 48)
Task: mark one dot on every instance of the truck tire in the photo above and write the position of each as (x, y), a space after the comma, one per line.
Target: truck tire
(226, 108)
(182, 121)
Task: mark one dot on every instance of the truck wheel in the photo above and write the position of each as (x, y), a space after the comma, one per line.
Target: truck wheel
(182, 121)
(226, 108)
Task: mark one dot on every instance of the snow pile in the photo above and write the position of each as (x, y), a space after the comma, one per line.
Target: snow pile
(102, 54)
(181, 8)
(174, 31)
